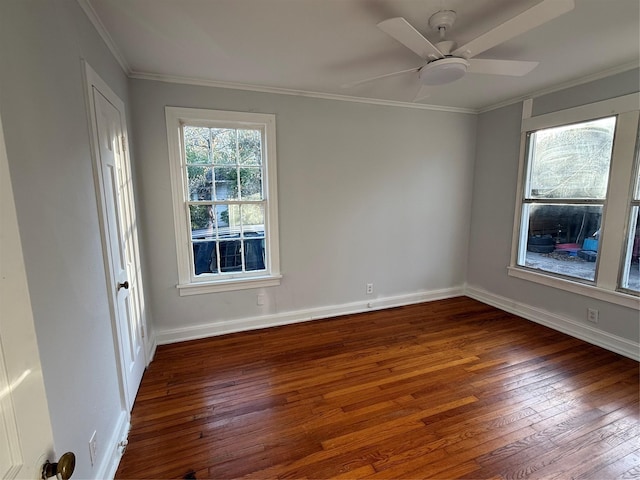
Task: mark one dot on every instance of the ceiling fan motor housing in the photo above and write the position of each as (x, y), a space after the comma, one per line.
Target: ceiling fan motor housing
(443, 71)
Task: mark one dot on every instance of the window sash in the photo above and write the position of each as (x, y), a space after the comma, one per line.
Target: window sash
(629, 247)
(217, 239)
(526, 227)
(532, 159)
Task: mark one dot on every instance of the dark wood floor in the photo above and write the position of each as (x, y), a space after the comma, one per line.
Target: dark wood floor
(448, 389)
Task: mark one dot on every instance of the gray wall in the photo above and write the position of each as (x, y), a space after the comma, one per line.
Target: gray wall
(617, 85)
(45, 125)
(494, 194)
(367, 193)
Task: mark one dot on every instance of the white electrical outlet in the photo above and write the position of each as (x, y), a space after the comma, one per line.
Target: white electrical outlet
(92, 448)
(260, 300)
(592, 315)
(369, 288)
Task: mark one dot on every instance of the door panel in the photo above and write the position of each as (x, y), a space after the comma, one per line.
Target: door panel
(26, 439)
(117, 212)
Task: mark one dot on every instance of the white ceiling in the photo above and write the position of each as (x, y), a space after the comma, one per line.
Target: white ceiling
(318, 46)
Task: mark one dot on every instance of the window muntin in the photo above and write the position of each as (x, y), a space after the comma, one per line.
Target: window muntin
(567, 173)
(223, 180)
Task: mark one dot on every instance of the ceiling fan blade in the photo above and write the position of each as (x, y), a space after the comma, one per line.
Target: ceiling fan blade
(527, 20)
(514, 68)
(378, 77)
(403, 32)
(423, 92)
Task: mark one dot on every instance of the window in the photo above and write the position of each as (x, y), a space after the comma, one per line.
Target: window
(223, 170)
(630, 272)
(564, 195)
(574, 195)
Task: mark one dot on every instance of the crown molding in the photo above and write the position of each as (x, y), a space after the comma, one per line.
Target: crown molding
(301, 93)
(563, 86)
(104, 34)
(373, 101)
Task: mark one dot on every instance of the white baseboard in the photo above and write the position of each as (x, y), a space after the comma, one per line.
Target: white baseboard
(111, 460)
(223, 327)
(150, 346)
(566, 325)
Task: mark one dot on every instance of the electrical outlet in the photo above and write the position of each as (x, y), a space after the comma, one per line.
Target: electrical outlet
(592, 315)
(369, 288)
(92, 448)
(260, 300)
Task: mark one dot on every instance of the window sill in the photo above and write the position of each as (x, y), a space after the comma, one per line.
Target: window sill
(197, 288)
(592, 291)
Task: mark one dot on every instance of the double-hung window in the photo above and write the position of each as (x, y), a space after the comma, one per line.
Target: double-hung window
(223, 171)
(578, 194)
(630, 272)
(564, 196)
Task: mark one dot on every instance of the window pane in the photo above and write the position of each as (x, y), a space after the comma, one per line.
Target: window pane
(631, 268)
(249, 147)
(253, 220)
(200, 183)
(251, 183)
(226, 183)
(201, 221)
(230, 256)
(196, 144)
(204, 257)
(223, 146)
(563, 239)
(228, 218)
(571, 161)
(254, 254)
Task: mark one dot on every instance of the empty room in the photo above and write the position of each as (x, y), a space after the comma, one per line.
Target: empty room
(320, 239)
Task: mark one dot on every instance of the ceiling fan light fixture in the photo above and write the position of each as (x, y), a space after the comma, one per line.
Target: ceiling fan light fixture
(445, 70)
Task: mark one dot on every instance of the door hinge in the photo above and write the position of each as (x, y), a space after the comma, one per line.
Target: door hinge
(123, 140)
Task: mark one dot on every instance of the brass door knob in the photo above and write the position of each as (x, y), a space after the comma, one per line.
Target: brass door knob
(124, 285)
(63, 469)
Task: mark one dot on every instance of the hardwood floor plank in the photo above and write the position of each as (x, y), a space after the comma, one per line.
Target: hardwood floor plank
(389, 428)
(627, 466)
(593, 456)
(446, 389)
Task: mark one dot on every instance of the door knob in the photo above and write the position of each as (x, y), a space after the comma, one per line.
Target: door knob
(124, 285)
(62, 469)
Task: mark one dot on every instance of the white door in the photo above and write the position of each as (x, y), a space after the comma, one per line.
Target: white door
(119, 231)
(26, 440)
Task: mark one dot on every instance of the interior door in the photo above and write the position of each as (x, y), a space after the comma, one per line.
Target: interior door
(120, 239)
(26, 439)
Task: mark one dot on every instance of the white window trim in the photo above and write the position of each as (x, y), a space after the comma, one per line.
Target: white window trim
(616, 206)
(189, 284)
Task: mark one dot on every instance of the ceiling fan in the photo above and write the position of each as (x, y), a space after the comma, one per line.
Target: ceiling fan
(446, 62)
